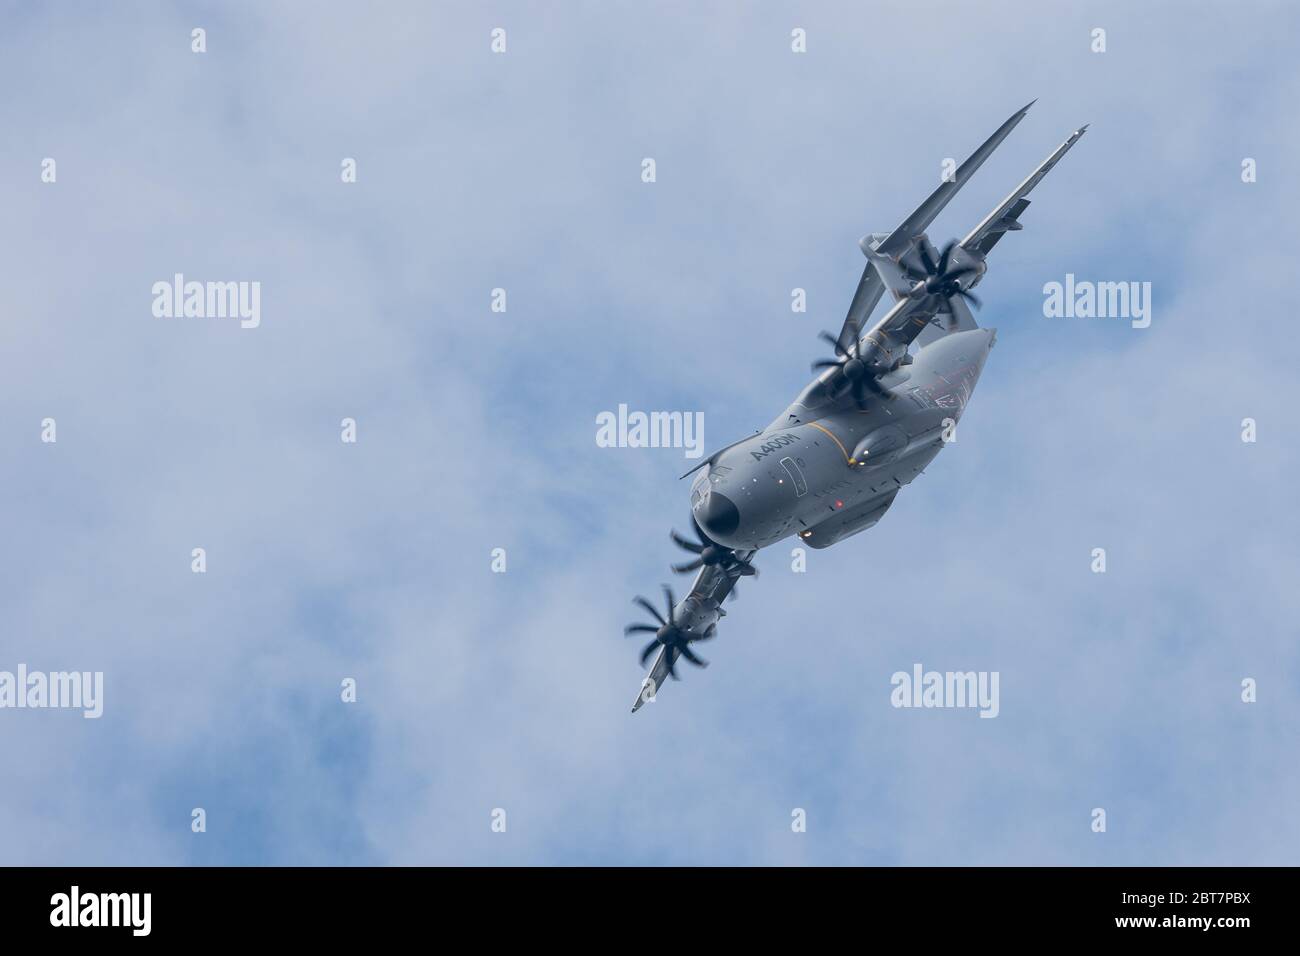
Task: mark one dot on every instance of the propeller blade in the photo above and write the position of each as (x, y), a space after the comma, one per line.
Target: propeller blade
(923, 250)
(946, 255)
(699, 532)
(688, 568)
(686, 543)
(672, 665)
(691, 656)
(949, 315)
(879, 389)
(832, 341)
(651, 608)
(648, 650)
(746, 570)
(639, 628)
(971, 297)
(668, 596)
(826, 363)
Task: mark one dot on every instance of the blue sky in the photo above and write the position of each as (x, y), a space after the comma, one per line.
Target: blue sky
(476, 431)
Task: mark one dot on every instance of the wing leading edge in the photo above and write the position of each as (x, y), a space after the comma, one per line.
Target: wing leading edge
(1006, 217)
(871, 286)
(908, 320)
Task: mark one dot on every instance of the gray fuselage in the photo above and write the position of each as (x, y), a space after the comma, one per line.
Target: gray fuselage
(826, 469)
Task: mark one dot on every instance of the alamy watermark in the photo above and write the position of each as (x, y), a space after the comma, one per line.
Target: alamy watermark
(922, 688)
(1084, 299)
(74, 690)
(130, 910)
(625, 429)
(208, 300)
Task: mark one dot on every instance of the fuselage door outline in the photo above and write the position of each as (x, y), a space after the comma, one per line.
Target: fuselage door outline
(796, 475)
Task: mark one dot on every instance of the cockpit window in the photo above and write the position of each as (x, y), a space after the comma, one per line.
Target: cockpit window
(700, 490)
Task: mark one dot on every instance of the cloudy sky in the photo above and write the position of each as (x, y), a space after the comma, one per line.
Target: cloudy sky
(476, 430)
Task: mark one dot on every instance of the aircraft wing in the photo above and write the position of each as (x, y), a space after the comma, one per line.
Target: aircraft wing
(1006, 217)
(864, 302)
(700, 610)
(954, 316)
(872, 285)
(907, 321)
(654, 680)
(901, 238)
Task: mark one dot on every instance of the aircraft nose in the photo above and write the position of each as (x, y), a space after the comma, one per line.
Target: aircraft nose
(719, 516)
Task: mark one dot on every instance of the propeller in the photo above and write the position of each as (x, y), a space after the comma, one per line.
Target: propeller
(849, 361)
(667, 633)
(710, 554)
(938, 279)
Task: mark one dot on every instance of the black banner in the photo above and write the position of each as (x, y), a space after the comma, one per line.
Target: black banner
(335, 905)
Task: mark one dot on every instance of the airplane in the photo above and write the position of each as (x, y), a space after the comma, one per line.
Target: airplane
(878, 412)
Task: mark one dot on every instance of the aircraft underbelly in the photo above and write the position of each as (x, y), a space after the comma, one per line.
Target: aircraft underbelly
(856, 502)
(875, 491)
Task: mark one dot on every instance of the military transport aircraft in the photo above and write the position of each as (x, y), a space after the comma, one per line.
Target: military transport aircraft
(878, 412)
